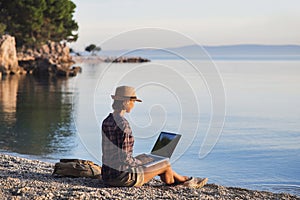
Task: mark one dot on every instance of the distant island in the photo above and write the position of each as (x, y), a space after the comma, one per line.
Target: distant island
(248, 49)
(243, 51)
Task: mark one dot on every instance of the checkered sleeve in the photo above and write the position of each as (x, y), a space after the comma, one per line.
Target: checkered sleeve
(127, 144)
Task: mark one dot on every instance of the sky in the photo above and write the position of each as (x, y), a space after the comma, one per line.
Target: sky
(210, 22)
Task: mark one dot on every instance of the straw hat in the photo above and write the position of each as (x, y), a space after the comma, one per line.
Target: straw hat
(125, 93)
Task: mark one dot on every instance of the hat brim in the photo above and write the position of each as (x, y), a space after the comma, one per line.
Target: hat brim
(114, 97)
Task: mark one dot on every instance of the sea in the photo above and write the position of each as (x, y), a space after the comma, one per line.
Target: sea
(239, 118)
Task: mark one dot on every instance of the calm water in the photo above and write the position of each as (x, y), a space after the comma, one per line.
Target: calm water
(258, 147)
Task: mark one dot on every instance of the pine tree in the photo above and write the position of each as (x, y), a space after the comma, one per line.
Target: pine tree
(34, 22)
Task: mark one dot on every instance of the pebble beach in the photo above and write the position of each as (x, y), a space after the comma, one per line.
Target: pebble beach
(32, 179)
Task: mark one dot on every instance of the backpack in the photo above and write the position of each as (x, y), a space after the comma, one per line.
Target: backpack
(77, 168)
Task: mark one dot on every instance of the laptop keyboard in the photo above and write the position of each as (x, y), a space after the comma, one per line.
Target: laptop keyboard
(144, 158)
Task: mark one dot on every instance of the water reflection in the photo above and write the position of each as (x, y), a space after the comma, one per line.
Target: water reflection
(8, 99)
(35, 115)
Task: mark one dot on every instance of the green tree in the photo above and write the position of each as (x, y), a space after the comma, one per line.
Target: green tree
(34, 22)
(58, 18)
(2, 28)
(23, 19)
(92, 48)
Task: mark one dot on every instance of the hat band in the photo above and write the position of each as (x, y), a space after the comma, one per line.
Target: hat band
(127, 97)
(121, 98)
(133, 98)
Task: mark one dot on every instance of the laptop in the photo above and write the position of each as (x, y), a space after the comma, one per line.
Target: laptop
(162, 149)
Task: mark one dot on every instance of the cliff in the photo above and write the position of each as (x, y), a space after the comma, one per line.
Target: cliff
(51, 59)
(8, 56)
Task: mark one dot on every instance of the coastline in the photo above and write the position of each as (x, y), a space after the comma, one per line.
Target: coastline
(22, 178)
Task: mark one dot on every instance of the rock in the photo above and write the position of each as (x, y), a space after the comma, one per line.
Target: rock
(51, 59)
(43, 67)
(75, 70)
(8, 56)
(127, 60)
(28, 64)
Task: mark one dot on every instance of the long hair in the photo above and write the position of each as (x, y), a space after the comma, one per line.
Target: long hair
(119, 104)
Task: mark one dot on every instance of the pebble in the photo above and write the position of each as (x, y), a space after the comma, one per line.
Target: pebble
(31, 179)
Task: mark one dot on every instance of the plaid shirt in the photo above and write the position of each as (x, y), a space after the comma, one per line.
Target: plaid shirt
(117, 147)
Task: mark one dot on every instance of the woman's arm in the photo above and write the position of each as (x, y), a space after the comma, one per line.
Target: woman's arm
(127, 146)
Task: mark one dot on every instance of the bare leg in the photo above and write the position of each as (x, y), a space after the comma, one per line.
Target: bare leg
(165, 171)
(179, 178)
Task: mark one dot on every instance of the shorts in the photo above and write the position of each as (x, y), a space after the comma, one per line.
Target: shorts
(128, 179)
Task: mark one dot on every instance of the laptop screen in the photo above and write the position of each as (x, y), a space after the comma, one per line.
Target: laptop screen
(165, 144)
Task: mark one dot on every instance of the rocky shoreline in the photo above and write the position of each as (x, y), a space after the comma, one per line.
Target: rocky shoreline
(108, 59)
(51, 59)
(31, 179)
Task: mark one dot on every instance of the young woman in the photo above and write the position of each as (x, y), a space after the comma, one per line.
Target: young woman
(119, 167)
